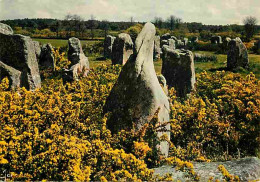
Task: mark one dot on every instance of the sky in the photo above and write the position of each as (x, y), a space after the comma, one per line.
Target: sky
(213, 12)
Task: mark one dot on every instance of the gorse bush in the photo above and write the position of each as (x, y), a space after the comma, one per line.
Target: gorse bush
(218, 121)
(59, 132)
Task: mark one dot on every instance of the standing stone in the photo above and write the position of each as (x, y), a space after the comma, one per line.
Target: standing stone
(79, 62)
(137, 95)
(171, 44)
(195, 39)
(164, 42)
(179, 44)
(13, 75)
(237, 55)
(122, 49)
(157, 48)
(47, 56)
(178, 70)
(216, 40)
(18, 51)
(174, 38)
(108, 44)
(6, 29)
(185, 41)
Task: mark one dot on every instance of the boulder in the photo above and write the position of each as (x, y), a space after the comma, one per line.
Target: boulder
(47, 56)
(122, 49)
(178, 69)
(13, 75)
(6, 29)
(79, 62)
(137, 94)
(157, 48)
(237, 55)
(247, 169)
(108, 45)
(18, 52)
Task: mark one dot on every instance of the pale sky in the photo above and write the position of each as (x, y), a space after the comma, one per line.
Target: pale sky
(204, 11)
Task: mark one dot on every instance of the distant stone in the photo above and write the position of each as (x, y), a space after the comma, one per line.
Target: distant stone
(13, 75)
(122, 49)
(216, 40)
(195, 39)
(6, 29)
(137, 95)
(79, 62)
(164, 42)
(185, 41)
(179, 44)
(157, 48)
(166, 36)
(178, 69)
(108, 45)
(174, 38)
(18, 52)
(247, 169)
(237, 55)
(47, 56)
(171, 44)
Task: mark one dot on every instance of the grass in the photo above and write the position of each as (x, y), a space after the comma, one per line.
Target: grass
(61, 42)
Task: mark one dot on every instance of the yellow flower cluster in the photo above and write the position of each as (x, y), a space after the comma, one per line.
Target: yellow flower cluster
(227, 176)
(59, 132)
(220, 120)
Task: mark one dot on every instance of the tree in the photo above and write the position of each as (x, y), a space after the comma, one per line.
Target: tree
(104, 25)
(173, 22)
(158, 21)
(92, 25)
(250, 27)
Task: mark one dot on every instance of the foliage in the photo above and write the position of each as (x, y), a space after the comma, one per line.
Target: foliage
(250, 23)
(133, 31)
(218, 121)
(59, 132)
(227, 176)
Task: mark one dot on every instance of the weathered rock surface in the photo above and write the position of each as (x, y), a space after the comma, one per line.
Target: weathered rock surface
(13, 75)
(137, 95)
(18, 51)
(247, 169)
(179, 44)
(37, 48)
(174, 38)
(157, 48)
(163, 83)
(108, 45)
(122, 49)
(237, 55)
(47, 57)
(178, 69)
(6, 29)
(79, 62)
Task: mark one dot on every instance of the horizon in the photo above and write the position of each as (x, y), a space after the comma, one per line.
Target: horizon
(211, 12)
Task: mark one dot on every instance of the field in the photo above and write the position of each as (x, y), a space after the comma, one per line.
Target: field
(199, 66)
